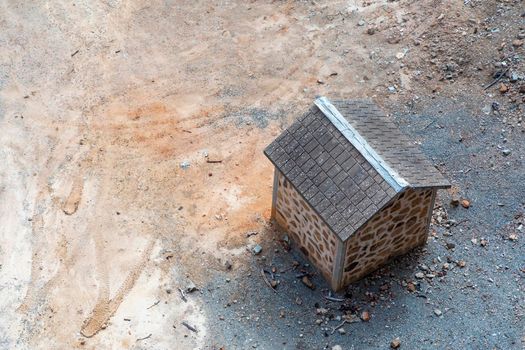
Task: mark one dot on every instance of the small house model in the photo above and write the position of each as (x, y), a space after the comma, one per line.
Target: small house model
(350, 189)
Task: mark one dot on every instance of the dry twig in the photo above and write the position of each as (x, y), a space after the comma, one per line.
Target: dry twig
(190, 327)
(497, 79)
(338, 326)
(146, 337)
(155, 304)
(266, 281)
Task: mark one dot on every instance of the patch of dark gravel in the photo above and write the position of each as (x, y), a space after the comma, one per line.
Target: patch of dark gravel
(471, 294)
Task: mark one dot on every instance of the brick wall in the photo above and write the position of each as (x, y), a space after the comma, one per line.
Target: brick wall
(305, 227)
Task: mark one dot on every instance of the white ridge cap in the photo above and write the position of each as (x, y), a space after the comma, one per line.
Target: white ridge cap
(352, 135)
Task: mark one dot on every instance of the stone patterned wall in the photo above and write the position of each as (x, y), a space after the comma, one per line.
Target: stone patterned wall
(305, 227)
(395, 230)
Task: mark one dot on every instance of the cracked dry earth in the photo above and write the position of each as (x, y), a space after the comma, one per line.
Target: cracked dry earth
(100, 104)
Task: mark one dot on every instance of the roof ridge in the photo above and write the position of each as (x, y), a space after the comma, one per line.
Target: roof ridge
(390, 175)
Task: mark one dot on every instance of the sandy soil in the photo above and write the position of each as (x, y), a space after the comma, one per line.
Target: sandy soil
(102, 102)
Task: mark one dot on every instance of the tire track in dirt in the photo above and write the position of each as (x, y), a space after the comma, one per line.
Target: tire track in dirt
(105, 307)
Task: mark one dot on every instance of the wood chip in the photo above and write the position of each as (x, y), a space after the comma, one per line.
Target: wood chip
(306, 281)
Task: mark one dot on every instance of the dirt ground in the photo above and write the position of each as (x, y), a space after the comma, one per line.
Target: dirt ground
(131, 166)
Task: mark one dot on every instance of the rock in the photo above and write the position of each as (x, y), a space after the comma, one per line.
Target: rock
(514, 77)
(517, 43)
(465, 203)
(393, 40)
(505, 152)
(321, 311)
(522, 89)
(454, 201)
(450, 245)
(503, 88)
(257, 249)
(483, 242)
(438, 312)
(411, 287)
(184, 165)
(318, 321)
(361, 22)
(400, 55)
(306, 281)
(395, 344)
(391, 89)
(461, 263)
(371, 31)
(365, 316)
(341, 331)
(228, 265)
(430, 275)
(420, 275)
(337, 347)
(513, 237)
(191, 287)
(351, 318)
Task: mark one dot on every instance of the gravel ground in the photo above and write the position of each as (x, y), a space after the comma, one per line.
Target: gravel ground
(477, 306)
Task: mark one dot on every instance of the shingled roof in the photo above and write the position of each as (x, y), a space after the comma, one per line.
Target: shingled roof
(348, 160)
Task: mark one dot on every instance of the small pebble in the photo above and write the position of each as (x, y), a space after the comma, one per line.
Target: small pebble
(257, 249)
(365, 316)
(395, 344)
